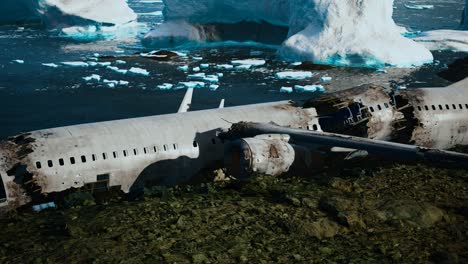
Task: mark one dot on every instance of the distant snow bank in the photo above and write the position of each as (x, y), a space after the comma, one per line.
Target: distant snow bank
(83, 19)
(349, 33)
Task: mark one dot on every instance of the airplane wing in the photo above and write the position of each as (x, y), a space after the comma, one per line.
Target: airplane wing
(377, 147)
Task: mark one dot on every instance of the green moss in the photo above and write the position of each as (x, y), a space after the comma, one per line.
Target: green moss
(395, 214)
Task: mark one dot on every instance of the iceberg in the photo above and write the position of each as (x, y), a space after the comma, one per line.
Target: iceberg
(92, 77)
(358, 33)
(117, 70)
(309, 88)
(79, 19)
(286, 90)
(165, 86)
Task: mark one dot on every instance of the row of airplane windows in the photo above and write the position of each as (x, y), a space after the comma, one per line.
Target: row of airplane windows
(115, 154)
(441, 107)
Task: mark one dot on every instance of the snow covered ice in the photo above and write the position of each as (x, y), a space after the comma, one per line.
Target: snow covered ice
(138, 71)
(350, 33)
(294, 75)
(452, 40)
(419, 7)
(286, 90)
(251, 62)
(75, 63)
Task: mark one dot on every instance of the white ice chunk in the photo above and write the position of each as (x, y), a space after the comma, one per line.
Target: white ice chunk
(419, 7)
(224, 67)
(75, 63)
(165, 86)
(196, 69)
(93, 77)
(19, 61)
(111, 83)
(124, 82)
(213, 87)
(204, 66)
(197, 58)
(243, 67)
(52, 65)
(203, 77)
(183, 68)
(309, 88)
(251, 62)
(138, 71)
(211, 79)
(104, 64)
(191, 84)
(325, 78)
(452, 40)
(286, 90)
(120, 62)
(294, 75)
(197, 76)
(220, 74)
(117, 70)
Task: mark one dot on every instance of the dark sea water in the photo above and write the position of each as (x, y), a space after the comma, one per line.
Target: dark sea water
(33, 96)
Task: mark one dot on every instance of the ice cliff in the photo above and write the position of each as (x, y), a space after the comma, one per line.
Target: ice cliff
(352, 32)
(75, 18)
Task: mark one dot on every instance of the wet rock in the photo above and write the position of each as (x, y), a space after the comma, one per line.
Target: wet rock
(409, 212)
(456, 71)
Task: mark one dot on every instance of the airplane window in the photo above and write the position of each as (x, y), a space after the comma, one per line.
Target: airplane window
(461, 106)
(83, 159)
(433, 107)
(466, 106)
(93, 157)
(50, 164)
(145, 150)
(447, 106)
(135, 151)
(379, 107)
(104, 156)
(213, 141)
(371, 109)
(38, 165)
(165, 147)
(155, 149)
(315, 127)
(125, 153)
(61, 162)
(175, 146)
(115, 154)
(440, 107)
(426, 107)
(195, 144)
(454, 107)
(419, 108)
(72, 160)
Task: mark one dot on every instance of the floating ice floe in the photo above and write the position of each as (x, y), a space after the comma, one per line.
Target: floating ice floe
(251, 62)
(204, 66)
(309, 88)
(75, 63)
(220, 74)
(124, 83)
(120, 62)
(196, 69)
(224, 67)
(419, 7)
(117, 70)
(138, 71)
(165, 86)
(52, 65)
(452, 40)
(286, 90)
(213, 87)
(183, 68)
(203, 77)
(114, 83)
(189, 85)
(243, 67)
(19, 61)
(195, 58)
(325, 78)
(93, 77)
(294, 75)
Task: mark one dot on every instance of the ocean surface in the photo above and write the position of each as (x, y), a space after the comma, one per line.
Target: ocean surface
(33, 96)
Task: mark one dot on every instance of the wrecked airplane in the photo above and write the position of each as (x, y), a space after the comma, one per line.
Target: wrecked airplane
(127, 155)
